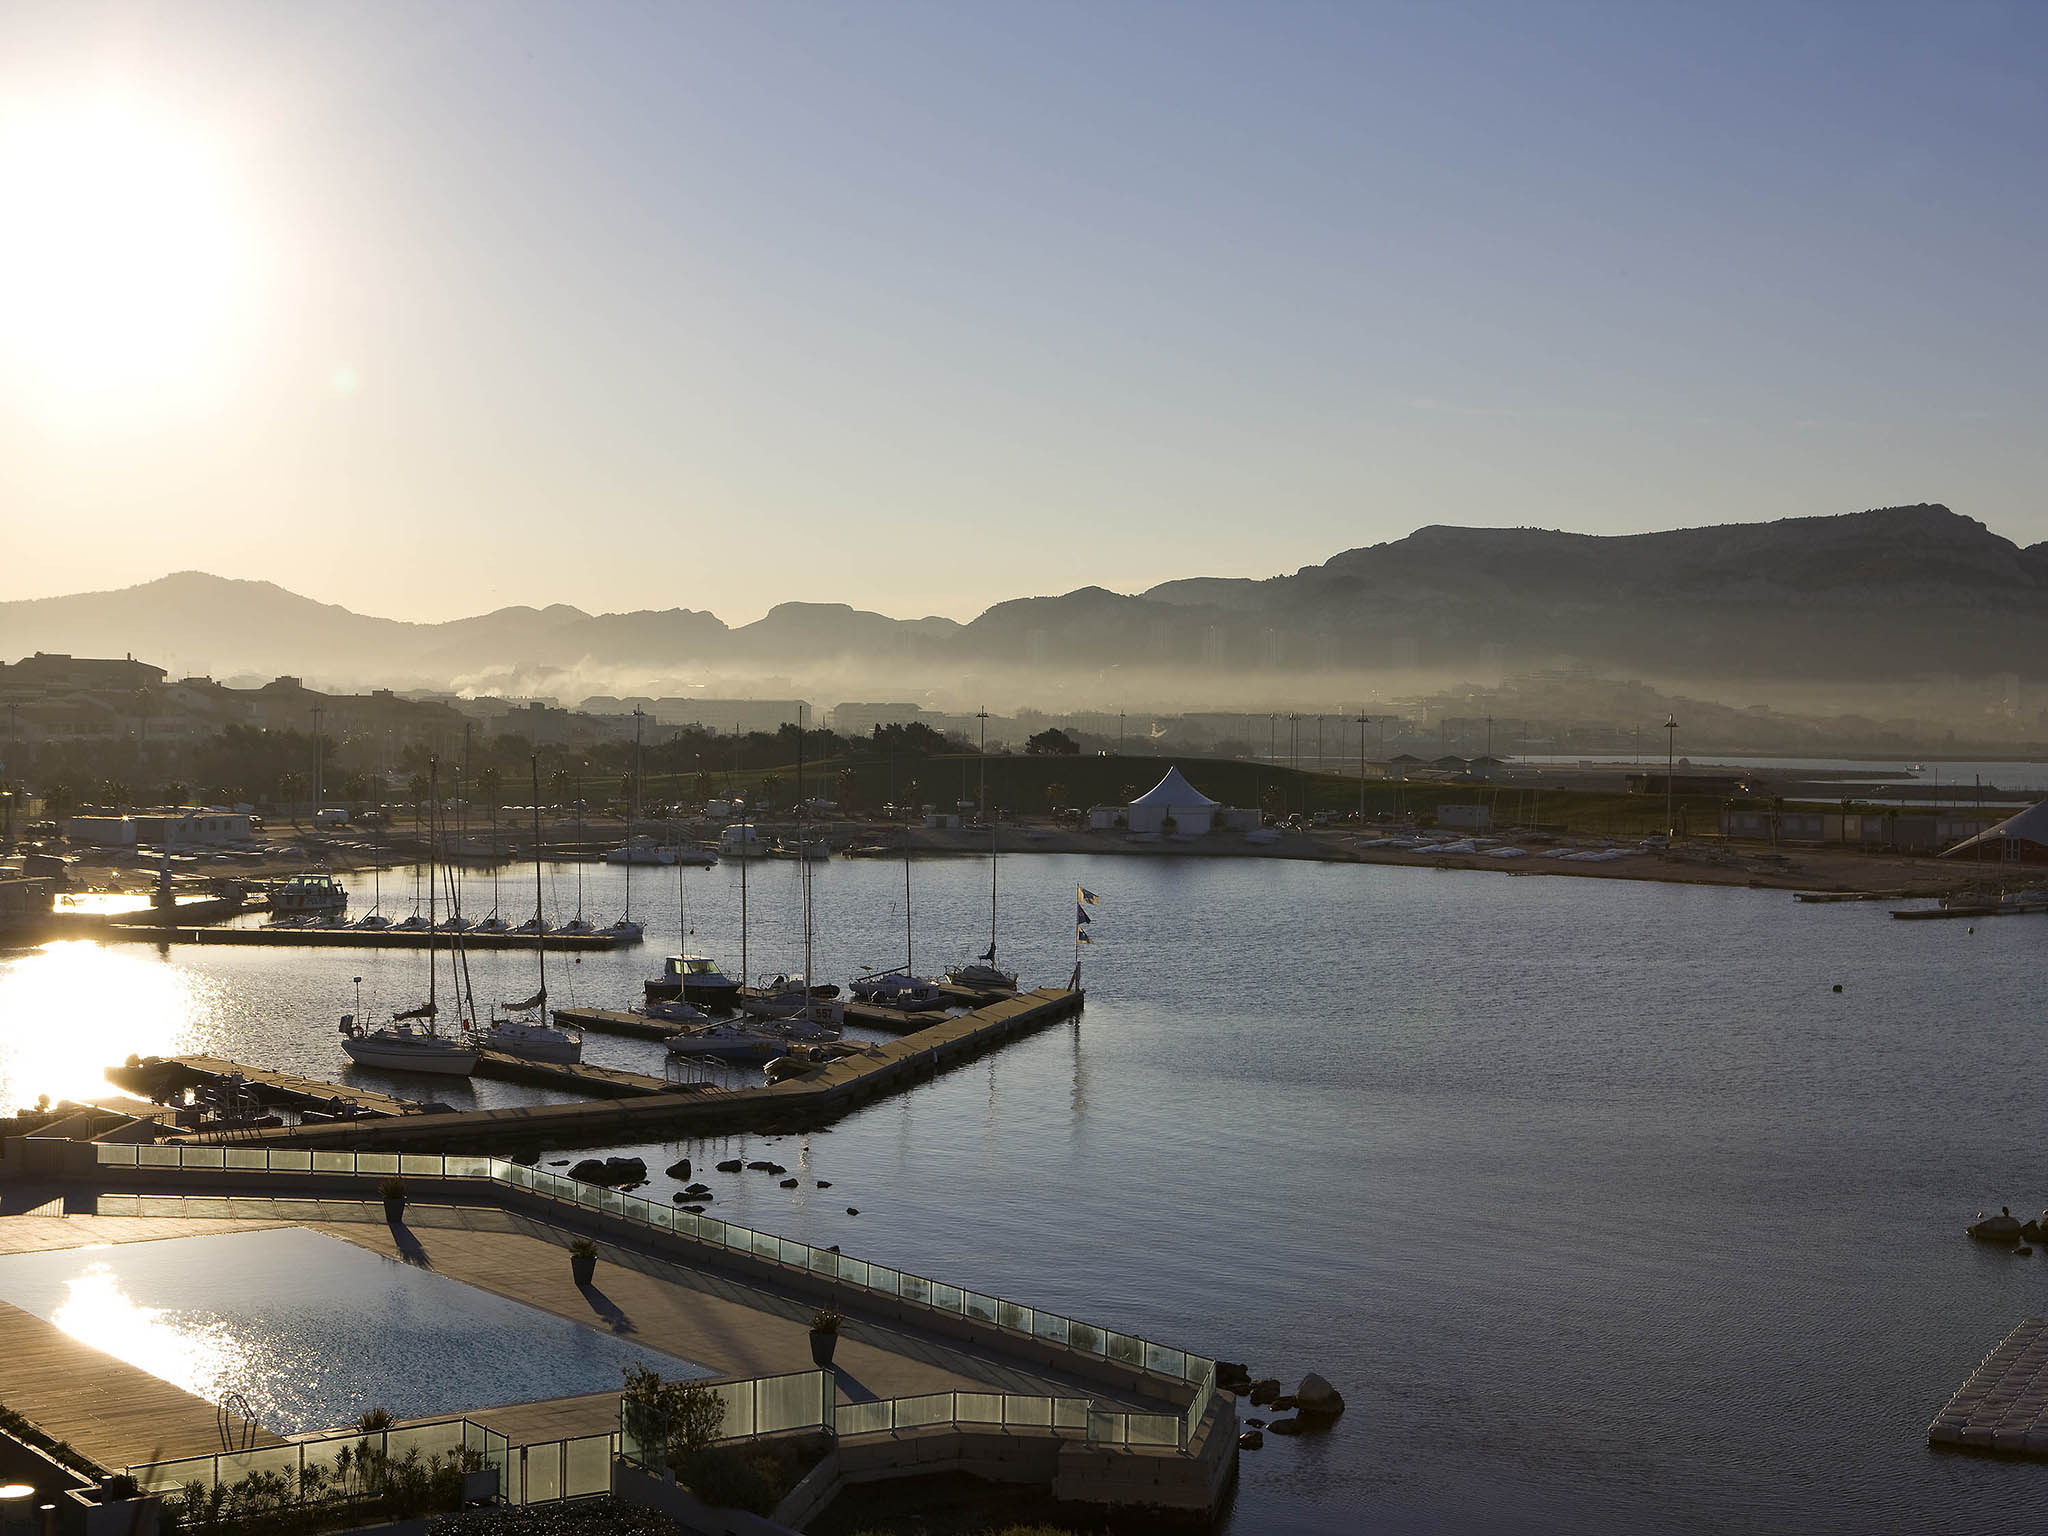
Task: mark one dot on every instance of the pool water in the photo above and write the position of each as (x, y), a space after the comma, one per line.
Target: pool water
(312, 1331)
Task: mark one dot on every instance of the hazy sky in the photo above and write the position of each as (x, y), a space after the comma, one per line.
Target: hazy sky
(427, 308)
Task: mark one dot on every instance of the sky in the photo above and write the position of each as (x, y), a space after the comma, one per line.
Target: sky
(431, 307)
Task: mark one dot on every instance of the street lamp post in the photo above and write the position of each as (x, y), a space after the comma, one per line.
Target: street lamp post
(1670, 767)
(1363, 721)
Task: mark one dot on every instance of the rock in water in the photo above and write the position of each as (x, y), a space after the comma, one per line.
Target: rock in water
(680, 1169)
(1233, 1376)
(1285, 1426)
(1315, 1398)
(1264, 1390)
(731, 1165)
(788, 1184)
(590, 1170)
(853, 1210)
(1250, 1440)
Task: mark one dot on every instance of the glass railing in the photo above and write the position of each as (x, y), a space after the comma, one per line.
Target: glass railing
(878, 1279)
(329, 1456)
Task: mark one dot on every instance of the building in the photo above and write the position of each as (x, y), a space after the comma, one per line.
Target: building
(51, 672)
(861, 719)
(1905, 830)
(179, 826)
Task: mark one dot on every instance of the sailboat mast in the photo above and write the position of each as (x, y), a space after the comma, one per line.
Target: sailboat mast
(909, 964)
(803, 857)
(433, 809)
(540, 948)
(982, 715)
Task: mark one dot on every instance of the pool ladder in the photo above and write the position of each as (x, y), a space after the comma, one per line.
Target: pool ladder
(224, 1415)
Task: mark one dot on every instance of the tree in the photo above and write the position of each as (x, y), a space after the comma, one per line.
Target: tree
(1052, 742)
(562, 785)
(670, 1420)
(1055, 794)
(490, 788)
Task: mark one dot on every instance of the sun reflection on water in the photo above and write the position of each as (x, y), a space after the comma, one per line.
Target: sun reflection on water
(70, 1010)
(188, 1353)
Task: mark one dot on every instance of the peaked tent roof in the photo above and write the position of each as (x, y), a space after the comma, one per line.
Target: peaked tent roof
(1174, 790)
(2028, 826)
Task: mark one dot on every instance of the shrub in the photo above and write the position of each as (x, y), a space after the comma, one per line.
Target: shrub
(670, 1419)
(825, 1320)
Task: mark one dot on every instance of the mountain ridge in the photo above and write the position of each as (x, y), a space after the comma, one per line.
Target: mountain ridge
(1915, 588)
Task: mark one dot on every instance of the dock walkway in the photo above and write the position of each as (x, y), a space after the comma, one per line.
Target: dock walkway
(830, 1090)
(579, 1076)
(176, 1073)
(355, 938)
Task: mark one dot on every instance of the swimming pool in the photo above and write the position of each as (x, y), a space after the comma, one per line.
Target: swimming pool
(312, 1330)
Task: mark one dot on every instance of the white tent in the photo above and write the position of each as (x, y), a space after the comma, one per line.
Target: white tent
(1193, 812)
(2020, 838)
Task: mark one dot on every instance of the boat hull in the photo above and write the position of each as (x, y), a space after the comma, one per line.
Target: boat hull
(449, 1061)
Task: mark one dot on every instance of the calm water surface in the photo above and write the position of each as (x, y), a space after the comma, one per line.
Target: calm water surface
(1602, 1208)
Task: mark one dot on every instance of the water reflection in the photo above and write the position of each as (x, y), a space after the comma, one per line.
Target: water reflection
(69, 1010)
(187, 1352)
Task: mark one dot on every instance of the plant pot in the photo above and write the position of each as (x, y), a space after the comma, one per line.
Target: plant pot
(394, 1209)
(583, 1266)
(822, 1345)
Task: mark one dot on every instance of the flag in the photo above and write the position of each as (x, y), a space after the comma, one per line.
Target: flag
(1081, 936)
(1081, 917)
(1085, 896)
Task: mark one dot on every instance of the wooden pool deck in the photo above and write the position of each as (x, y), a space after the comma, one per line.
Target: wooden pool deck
(828, 1091)
(732, 1325)
(105, 1408)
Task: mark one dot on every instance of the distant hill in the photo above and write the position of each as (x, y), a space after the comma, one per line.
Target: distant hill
(1900, 591)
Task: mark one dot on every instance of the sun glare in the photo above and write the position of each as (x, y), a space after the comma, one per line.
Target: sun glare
(123, 258)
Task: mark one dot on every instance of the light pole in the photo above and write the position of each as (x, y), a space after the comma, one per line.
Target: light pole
(982, 716)
(1363, 721)
(1670, 767)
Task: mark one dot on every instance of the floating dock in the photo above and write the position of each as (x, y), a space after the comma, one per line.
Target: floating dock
(1986, 909)
(685, 1109)
(174, 1074)
(2003, 1407)
(638, 1026)
(357, 938)
(575, 1077)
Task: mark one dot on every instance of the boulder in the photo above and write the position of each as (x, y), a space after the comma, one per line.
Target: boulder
(730, 1165)
(590, 1170)
(625, 1170)
(1286, 1426)
(1282, 1404)
(558, 1162)
(1315, 1398)
(760, 1165)
(824, 1183)
(1250, 1440)
(777, 1169)
(679, 1169)
(694, 1210)
(1233, 1376)
(788, 1184)
(853, 1210)
(1255, 1423)
(1264, 1390)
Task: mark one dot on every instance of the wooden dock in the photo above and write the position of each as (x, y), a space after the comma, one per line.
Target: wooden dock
(615, 1021)
(174, 1074)
(353, 938)
(830, 1090)
(597, 1082)
(1984, 909)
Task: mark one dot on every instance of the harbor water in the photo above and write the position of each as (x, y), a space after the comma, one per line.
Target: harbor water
(1604, 1210)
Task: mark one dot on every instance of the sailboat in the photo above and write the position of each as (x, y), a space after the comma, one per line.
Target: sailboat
(798, 1010)
(900, 987)
(576, 927)
(625, 930)
(534, 1038)
(374, 921)
(408, 1043)
(982, 973)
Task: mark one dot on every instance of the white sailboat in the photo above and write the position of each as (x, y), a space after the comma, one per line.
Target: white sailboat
(534, 1038)
(900, 987)
(798, 1009)
(409, 1042)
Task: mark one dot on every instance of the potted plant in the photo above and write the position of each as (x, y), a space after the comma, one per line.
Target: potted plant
(825, 1336)
(393, 1191)
(583, 1260)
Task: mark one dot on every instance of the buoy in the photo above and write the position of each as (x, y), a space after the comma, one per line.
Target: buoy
(1838, 986)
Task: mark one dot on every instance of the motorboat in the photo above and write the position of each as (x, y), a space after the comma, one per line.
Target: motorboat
(640, 849)
(407, 1044)
(800, 850)
(900, 990)
(727, 1042)
(694, 979)
(308, 896)
(742, 841)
